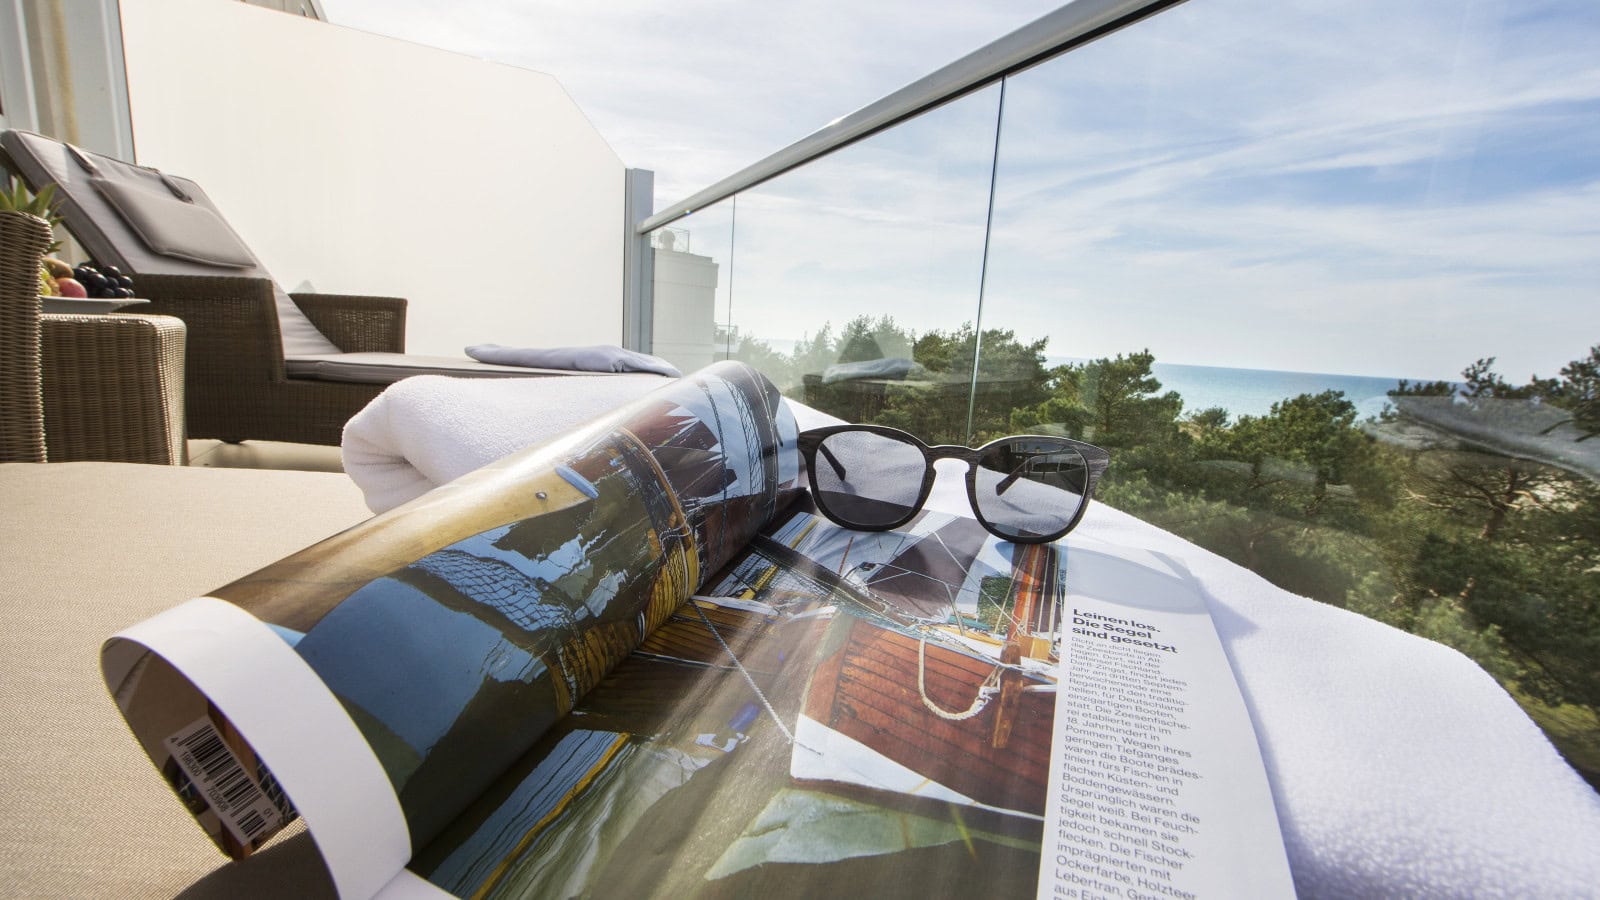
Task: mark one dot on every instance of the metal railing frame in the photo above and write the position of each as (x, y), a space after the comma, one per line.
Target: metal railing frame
(1045, 38)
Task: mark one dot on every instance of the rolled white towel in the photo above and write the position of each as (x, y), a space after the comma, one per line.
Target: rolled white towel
(424, 431)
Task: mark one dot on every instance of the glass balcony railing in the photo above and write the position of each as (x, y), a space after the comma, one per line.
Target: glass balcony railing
(1148, 242)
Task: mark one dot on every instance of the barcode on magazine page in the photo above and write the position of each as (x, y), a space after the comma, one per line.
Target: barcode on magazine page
(222, 779)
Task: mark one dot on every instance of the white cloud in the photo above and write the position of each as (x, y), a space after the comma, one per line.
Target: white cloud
(695, 90)
(1386, 187)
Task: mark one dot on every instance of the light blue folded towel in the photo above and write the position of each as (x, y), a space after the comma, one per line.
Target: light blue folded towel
(599, 358)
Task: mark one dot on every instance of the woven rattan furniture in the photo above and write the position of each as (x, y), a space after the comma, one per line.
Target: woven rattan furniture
(237, 387)
(113, 388)
(23, 239)
(82, 387)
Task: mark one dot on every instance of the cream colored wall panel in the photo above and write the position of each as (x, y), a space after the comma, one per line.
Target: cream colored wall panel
(361, 164)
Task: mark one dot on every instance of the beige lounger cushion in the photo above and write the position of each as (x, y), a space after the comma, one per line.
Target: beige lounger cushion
(91, 548)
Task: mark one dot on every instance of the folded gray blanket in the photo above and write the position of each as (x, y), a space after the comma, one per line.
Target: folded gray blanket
(600, 358)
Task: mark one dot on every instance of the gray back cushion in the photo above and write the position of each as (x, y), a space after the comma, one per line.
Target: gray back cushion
(173, 228)
(142, 220)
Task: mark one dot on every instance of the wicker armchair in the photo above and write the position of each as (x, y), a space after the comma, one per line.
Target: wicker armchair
(237, 386)
(82, 387)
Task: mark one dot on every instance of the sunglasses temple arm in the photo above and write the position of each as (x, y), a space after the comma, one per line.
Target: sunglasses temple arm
(1006, 482)
(1097, 466)
(838, 468)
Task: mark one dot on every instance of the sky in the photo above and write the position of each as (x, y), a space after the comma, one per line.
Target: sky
(1391, 188)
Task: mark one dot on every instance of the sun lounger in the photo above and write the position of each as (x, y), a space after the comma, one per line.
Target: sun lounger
(262, 364)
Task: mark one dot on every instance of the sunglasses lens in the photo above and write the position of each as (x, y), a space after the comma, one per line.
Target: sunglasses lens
(868, 480)
(1030, 488)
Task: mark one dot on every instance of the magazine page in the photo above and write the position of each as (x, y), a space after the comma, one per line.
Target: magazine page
(835, 713)
(380, 681)
(1157, 787)
(829, 715)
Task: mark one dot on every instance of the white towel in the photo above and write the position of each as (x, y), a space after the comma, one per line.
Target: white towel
(1398, 767)
(424, 431)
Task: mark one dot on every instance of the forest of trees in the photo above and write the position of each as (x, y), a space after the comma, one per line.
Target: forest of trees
(1467, 513)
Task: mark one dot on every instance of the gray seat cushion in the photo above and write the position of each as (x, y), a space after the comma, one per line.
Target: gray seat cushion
(387, 368)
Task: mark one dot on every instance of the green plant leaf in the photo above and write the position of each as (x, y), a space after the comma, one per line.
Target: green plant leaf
(10, 199)
(44, 203)
(17, 198)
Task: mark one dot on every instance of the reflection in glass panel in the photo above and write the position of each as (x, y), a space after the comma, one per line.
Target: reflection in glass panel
(1203, 208)
(853, 272)
(690, 261)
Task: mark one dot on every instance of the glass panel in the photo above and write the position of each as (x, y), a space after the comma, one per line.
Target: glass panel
(692, 287)
(1199, 210)
(852, 272)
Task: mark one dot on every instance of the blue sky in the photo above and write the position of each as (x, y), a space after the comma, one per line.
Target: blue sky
(1381, 188)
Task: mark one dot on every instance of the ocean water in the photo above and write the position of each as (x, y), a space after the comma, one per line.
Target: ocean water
(1251, 392)
(1242, 392)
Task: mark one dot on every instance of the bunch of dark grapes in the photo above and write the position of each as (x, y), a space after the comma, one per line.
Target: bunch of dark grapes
(108, 283)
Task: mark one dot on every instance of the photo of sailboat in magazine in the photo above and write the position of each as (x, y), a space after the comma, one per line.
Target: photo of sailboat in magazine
(637, 660)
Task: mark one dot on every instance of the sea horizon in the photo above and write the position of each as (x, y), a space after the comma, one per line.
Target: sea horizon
(1252, 392)
(1239, 390)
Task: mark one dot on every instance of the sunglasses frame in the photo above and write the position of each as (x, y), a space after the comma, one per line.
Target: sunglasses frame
(810, 442)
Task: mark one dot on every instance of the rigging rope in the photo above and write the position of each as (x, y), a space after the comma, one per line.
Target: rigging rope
(990, 685)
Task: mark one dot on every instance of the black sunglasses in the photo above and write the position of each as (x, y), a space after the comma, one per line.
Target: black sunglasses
(1026, 488)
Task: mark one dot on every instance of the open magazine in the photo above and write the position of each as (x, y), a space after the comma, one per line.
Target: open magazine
(632, 661)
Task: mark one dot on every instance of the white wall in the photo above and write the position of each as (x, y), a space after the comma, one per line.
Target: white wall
(362, 164)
